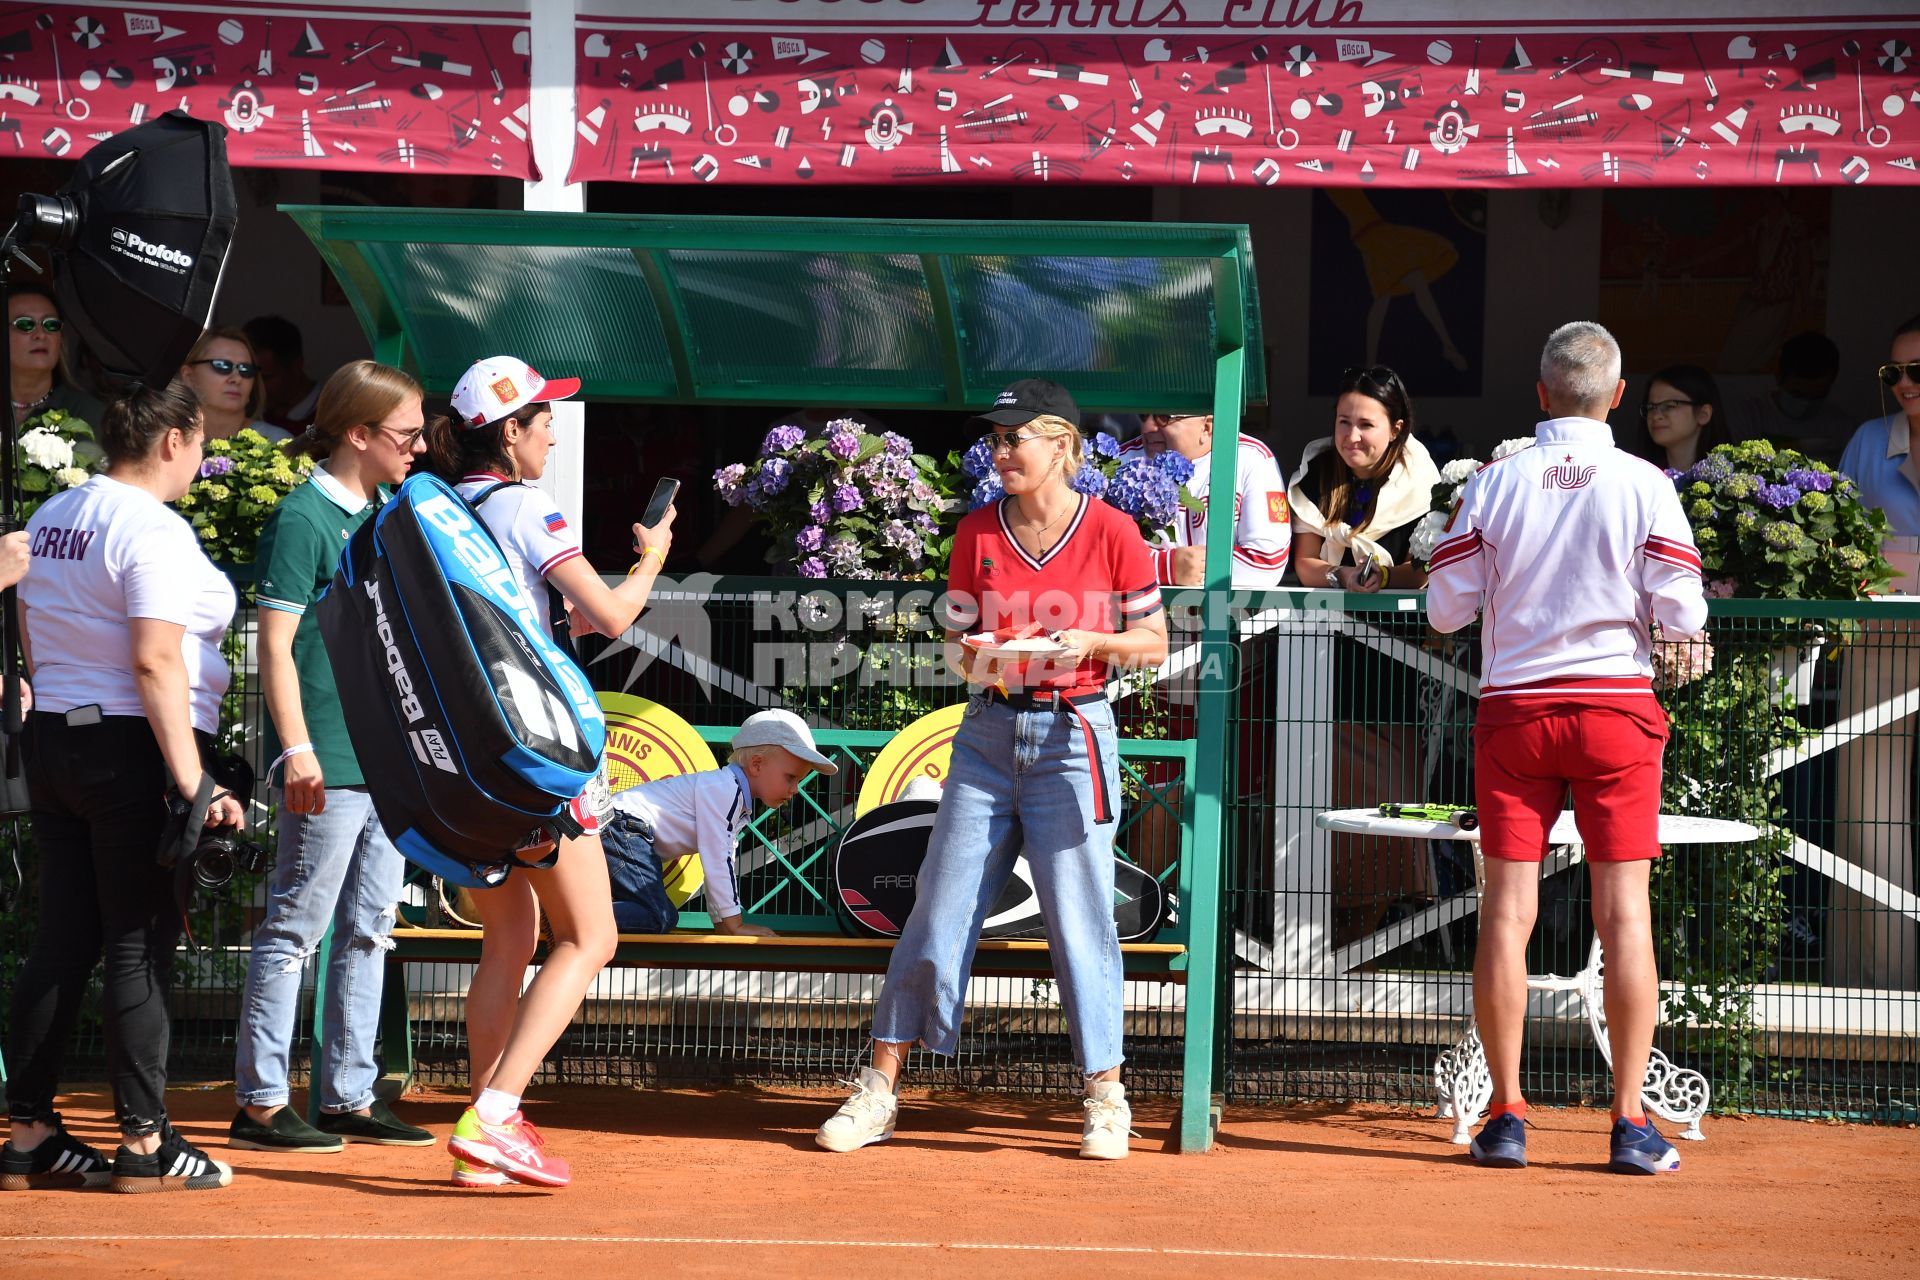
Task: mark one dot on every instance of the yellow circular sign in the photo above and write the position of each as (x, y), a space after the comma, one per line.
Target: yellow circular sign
(645, 743)
(921, 750)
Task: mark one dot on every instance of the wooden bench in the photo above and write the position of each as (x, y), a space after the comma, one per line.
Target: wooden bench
(801, 953)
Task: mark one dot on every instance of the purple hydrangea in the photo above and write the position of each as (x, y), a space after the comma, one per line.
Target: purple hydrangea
(812, 567)
(1779, 496)
(1808, 481)
(1177, 466)
(781, 439)
(1674, 475)
(847, 497)
(774, 474)
(215, 467)
(843, 441)
(728, 480)
(1090, 480)
(809, 538)
(1713, 468)
(1103, 446)
(978, 461)
(988, 490)
(820, 512)
(897, 445)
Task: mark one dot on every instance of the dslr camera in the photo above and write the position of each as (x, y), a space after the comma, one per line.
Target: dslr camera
(210, 856)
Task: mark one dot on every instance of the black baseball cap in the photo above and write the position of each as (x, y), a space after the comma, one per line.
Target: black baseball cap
(1028, 399)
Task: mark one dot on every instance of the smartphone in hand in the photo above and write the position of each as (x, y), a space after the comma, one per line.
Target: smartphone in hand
(663, 495)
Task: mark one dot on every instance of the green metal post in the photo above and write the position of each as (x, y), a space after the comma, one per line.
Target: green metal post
(1201, 875)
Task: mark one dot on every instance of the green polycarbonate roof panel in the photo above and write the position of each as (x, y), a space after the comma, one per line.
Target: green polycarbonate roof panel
(795, 311)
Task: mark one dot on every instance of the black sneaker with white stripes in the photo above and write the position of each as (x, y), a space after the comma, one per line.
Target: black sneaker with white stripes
(60, 1161)
(177, 1166)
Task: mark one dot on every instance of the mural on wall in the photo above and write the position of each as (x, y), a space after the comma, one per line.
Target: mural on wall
(1714, 278)
(1398, 278)
(297, 87)
(1304, 92)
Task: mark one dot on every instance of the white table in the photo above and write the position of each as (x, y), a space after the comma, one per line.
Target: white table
(1461, 1077)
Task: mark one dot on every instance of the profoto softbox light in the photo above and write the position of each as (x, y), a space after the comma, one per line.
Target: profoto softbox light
(155, 215)
(139, 240)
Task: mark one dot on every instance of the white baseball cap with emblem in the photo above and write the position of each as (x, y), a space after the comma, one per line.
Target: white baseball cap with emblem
(778, 728)
(493, 388)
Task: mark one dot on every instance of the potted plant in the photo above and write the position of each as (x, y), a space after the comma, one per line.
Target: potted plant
(53, 451)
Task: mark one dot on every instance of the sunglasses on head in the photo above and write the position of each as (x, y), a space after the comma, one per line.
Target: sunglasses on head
(1892, 373)
(51, 324)
(225, 367)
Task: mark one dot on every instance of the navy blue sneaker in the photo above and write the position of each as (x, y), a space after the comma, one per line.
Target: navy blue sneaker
(1639, 1148)
(1502, 1144)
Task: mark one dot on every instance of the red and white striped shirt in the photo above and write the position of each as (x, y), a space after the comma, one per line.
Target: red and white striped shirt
(1570, 549)
(1263, 531)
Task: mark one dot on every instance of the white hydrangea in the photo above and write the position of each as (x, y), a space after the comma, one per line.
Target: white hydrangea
(46, 450)
(1426, 536)
(1511, 446)
(1457, 470)
(70, 477)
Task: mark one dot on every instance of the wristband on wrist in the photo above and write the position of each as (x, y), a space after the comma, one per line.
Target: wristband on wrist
(298, 748)
(644, 553)
(1333, 577)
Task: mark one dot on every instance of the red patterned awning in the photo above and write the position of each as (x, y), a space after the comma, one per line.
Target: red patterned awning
(1273, 92)
(433, 88)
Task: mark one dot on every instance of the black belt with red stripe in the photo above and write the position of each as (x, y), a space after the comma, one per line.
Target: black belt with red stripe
(1070, 700)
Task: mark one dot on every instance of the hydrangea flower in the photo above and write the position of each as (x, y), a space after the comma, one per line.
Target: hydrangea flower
(1103, 446)
(977, 462)
(988, 490)
(843, 440)
(781, 439)
(46, 450)
(1784, 535)
(1700, 509)
(1458, 470)
(897, 445)
(215, 467)
(1741, 487)
(1746, 521)
(1720, 588)
(1699, 489)
(1815, 501)
(809, 538)
(811, 567)
(1810, 481)
(774, 475)
(1713, 469)
(1506, 447)
(847, 498)
(1779, 496)
(819, 512)
(1090, 480)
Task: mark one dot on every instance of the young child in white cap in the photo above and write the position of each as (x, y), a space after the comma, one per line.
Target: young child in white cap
(704, 813)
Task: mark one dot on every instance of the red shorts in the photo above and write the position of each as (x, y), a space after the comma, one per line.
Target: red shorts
(1529, 751)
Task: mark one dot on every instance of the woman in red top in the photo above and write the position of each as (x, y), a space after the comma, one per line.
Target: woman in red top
(1035, 767)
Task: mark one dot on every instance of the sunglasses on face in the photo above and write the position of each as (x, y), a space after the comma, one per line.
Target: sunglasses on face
(225, 367)
(405, 439)
(1664, 408)
(995, 441)
(1892, 373)
(1163, 419)
(24, 324)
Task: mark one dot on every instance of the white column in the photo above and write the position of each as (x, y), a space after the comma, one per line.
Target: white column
(552, 112)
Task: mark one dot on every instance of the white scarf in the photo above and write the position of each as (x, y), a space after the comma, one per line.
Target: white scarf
(1404, 496)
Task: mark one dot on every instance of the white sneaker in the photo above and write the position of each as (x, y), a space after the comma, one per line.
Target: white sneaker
(865, 1118)
(1109, 1121)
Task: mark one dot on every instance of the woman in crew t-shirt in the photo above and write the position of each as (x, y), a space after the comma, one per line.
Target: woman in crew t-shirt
(1035, 765)
(500, 435)
(122, 621)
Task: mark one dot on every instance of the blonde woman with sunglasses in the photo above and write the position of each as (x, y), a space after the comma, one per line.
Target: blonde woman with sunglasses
(224, 373)
(37, 354)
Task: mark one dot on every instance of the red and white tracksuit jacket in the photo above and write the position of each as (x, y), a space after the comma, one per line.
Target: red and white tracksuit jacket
(1263, 533)
(1570, 549)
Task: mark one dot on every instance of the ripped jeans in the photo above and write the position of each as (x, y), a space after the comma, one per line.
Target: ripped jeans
(338, 868)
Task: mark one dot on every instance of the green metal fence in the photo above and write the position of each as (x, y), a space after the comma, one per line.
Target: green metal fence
(1789, 965)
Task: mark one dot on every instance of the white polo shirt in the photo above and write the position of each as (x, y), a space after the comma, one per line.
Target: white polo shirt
(704, 813)
(104, 553)
(529, 525)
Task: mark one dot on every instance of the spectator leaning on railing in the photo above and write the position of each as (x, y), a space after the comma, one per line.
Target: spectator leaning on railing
(335, 864)
(1569, 550)
(1869, 944)
(122, 619)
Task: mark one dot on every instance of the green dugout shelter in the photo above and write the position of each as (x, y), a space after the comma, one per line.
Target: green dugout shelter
(786, 312)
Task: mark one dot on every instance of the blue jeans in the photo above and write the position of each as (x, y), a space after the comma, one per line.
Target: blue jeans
(640, 902)
(338, 868)
(1019, 780)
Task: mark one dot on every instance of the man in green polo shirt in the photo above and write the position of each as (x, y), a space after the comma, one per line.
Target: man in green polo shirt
(335, 865)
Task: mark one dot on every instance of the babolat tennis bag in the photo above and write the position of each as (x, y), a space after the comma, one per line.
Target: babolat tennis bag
(473, 729)
(876, 874)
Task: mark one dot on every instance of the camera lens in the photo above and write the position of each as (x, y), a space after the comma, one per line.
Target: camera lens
(219, 856)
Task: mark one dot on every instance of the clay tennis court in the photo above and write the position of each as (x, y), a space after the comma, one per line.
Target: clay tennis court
(698, 1182)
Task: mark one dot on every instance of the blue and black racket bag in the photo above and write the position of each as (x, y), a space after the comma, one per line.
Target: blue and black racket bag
(472, 727)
